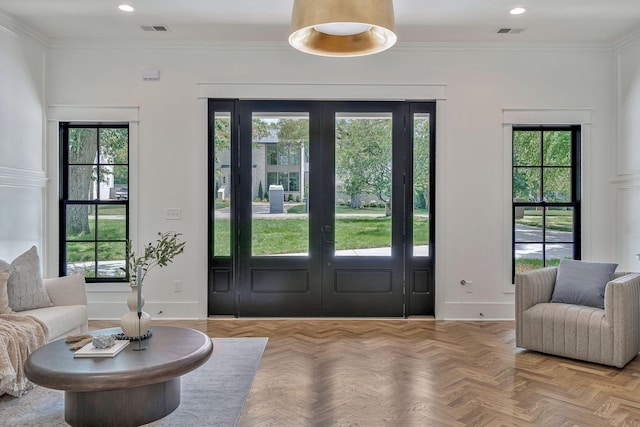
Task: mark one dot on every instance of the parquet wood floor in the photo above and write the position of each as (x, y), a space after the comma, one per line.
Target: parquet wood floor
(417, 372)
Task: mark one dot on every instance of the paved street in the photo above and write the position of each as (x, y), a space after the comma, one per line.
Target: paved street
(527, 233)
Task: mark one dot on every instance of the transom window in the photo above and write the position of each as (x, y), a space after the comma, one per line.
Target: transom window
(546, 196)
(94, 200)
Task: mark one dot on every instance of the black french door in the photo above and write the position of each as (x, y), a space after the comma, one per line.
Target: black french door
(321, 208)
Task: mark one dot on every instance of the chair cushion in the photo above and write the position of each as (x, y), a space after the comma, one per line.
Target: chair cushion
(582, 283)
(569, 330)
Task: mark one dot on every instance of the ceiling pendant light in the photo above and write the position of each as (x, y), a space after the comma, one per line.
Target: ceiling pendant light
(342, 27)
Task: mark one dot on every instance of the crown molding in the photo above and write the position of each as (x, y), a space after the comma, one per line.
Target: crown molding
(504, 47)
(12, 26)
(627, 39)
(89, 43)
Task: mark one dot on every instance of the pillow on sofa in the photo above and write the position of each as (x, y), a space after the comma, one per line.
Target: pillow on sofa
(5, 272)
(582, 283)
(25, 288)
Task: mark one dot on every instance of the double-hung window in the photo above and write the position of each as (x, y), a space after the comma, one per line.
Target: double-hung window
(94, 202)
(546, 196)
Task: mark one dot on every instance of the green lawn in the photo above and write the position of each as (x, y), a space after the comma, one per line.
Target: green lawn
(270, 236)
(279, 236)
(290, 235)
(298, 209)
(367, 210)
(556, 219)
(108, 229)
(526, 264)
(112, 210)
(107, 251)
(219, 204)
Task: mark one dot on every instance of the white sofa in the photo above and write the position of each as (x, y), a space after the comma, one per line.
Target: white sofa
(68, 315)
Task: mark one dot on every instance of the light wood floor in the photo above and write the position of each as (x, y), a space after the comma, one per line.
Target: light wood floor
(420, 373)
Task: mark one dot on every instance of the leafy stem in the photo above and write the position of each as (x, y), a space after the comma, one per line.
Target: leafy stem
(158, 254)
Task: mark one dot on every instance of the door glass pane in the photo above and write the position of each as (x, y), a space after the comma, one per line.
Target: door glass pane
(280, 183)
(421, 184)
(363, 160)
(222, 184)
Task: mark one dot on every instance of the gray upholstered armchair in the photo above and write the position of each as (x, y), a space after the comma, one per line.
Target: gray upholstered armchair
(610, 336)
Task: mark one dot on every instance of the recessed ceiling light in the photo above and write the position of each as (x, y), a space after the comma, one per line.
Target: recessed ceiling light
(126, 8)
(518, 10)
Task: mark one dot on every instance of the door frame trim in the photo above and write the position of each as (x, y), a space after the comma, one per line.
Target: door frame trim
(324, 91)
(354, 92)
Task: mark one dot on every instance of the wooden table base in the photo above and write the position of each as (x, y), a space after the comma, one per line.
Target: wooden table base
(126, 407)
(130, 389)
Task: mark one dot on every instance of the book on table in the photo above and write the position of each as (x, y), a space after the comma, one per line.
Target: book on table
(90, 351)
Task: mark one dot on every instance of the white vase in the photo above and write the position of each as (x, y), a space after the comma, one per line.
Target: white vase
(130, 324)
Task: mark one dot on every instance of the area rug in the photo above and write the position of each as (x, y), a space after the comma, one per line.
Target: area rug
(212, 395)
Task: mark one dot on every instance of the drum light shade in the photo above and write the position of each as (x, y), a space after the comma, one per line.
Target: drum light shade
(342, 27)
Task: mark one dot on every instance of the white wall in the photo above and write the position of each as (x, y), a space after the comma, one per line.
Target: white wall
(22, 176)
(477, 84)
(627, 162)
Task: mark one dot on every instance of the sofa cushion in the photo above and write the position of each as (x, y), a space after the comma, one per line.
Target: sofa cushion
(66, 290)
(25, 288)
(582, 283)
(5, 272)
(61, 320)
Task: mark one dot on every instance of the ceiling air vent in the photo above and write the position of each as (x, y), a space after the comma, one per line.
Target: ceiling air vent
(509, 30)
(154, 28)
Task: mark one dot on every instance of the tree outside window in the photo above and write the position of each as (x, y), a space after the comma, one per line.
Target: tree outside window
(95, 194)
(546, 196)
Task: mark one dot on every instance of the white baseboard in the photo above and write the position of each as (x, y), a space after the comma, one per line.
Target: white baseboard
(167, 310)
(171, 310)
(476, 311)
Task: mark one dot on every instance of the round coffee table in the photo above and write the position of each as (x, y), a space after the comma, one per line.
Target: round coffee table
(130, 389)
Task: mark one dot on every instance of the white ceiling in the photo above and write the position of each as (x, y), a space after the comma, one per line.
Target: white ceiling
(547, 21)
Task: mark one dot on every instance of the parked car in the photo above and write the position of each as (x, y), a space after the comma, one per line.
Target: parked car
(122, 193)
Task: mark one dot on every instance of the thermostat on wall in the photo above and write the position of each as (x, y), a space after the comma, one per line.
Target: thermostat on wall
(150, 74)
